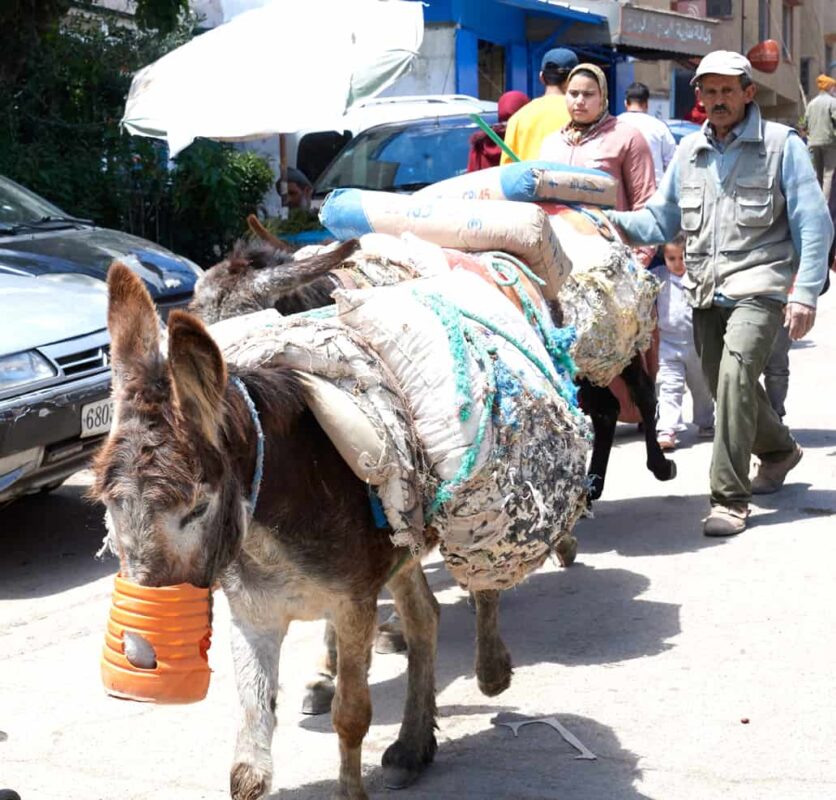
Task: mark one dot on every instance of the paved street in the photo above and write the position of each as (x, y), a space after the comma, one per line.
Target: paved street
(654, 650)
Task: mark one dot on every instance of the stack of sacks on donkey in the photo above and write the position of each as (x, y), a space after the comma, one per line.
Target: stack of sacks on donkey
(236, 468)
(262, 274)
(591, 279)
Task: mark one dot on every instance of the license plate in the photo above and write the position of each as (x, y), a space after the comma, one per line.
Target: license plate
(96, 417)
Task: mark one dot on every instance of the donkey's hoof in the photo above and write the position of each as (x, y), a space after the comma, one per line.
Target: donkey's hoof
(566, 550)
(400, 777)
(497, 678)
(403, 766)
(357, 793)
(666, 471)
(247, 783)
(318, 697)
(389, 640)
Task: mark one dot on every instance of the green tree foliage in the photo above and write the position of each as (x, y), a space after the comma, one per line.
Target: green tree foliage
(214, 189)
(24, 23)
(60, 136)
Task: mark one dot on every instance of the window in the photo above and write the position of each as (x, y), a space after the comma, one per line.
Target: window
(763, 20)
(719, 9)
(491, 59)
(804, 75)
(786, 31)
(829, 64)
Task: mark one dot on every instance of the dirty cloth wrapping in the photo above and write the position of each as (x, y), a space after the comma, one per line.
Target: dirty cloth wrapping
(608, 298)
(506, 499)
(327, 349)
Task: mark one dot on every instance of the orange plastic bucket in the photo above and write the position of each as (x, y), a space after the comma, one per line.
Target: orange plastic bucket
(156, 643)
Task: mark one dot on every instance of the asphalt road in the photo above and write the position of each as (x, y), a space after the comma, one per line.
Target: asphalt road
(691, 668)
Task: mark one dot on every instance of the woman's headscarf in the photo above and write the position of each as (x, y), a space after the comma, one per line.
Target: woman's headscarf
(578, 130)
(510, 103)
(484, 152)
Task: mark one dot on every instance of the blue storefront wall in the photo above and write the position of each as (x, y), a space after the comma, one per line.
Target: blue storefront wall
(490, 21)
(504, 24)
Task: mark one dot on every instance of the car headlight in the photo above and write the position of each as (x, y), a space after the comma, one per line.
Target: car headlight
(19, 369)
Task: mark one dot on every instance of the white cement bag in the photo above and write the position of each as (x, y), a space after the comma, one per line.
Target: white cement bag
(353, 395)
(529, 181)
(414, 343)
(498, 514)
(521, 229)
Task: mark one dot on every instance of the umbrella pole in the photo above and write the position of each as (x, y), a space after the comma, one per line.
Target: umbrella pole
(283, 175)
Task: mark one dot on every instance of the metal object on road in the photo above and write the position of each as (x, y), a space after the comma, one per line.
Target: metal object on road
(568, 736)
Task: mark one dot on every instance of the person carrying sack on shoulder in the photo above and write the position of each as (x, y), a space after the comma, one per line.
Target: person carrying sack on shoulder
(744, 192)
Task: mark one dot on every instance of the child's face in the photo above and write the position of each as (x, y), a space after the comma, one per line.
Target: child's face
(675, 259)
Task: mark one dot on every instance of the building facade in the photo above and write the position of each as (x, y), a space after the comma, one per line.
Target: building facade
(485, 47)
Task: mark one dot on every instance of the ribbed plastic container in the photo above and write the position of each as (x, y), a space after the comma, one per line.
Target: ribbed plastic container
(171, 620)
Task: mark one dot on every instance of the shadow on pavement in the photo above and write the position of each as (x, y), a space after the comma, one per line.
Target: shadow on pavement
(48, 543)
(536, 765)
(645, 526)
(814, 437)
(796, 501)
(563, 626)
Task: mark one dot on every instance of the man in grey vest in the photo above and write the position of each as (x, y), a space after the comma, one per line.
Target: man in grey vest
(757, 234)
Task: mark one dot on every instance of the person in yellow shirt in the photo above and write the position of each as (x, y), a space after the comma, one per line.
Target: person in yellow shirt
(547, 114)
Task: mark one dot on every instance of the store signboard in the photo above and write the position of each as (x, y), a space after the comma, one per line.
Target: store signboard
(665, 30)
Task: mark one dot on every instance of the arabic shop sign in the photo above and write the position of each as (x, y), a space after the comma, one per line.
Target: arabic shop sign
(666, 31)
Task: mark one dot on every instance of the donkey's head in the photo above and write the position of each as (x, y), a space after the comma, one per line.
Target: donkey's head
(171, 471)
(257, 275)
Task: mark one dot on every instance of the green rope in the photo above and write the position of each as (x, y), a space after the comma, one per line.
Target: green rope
(556, 346)
(451, 319)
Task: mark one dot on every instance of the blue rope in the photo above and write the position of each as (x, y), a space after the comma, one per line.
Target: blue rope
(378, 514)
(258, 474)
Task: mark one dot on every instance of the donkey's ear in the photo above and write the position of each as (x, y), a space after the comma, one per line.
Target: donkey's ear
(198, 374)
(132, 321)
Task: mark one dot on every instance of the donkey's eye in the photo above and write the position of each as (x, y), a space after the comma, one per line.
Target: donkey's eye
(197, 511)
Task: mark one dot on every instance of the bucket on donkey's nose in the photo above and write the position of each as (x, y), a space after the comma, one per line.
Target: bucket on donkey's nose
(156, 643)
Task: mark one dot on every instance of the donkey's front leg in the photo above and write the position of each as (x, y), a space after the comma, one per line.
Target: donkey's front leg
(255, 653)
(351, 712)
(602, 406)
(643, 393)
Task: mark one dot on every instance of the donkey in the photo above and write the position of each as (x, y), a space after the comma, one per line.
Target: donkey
(229, 288)
(216, 476)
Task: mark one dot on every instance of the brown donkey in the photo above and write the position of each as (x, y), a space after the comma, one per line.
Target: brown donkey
(211, 478)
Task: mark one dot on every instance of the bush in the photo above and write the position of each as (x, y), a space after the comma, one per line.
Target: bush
(60, 137)
(214, 189)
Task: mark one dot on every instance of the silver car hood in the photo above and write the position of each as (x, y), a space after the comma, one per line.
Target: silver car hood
(39, 311)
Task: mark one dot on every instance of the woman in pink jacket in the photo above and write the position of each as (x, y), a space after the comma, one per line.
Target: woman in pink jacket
(593, 138)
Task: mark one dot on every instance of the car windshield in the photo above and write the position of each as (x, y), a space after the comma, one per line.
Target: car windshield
(20, 206)
(404, 157)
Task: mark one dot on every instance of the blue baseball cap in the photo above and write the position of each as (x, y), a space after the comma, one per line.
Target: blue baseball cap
(559, 57)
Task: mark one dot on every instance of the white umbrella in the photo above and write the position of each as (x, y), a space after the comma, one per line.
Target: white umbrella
(280, 68)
